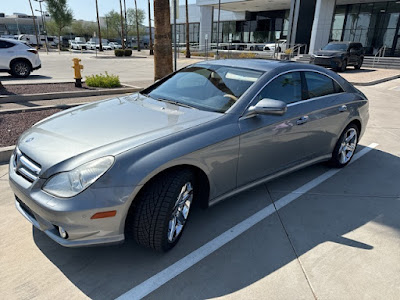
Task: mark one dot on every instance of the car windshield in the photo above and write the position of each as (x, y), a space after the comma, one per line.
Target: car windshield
(335, 47)
(206, 87)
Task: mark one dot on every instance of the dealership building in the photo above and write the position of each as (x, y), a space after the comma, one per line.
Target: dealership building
(310, 22)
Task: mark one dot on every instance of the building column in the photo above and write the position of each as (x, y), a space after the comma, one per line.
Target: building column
(322, 25)
(206, 23)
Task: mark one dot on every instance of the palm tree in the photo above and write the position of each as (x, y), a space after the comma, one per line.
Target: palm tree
(34, 26)
(187, 31)
(122, 26)
(162, 40)
(98, 25)
(137, 27)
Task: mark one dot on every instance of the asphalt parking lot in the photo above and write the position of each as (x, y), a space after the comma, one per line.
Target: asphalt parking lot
(338, 238)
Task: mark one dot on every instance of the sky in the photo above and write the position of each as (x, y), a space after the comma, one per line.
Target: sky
(82, 9)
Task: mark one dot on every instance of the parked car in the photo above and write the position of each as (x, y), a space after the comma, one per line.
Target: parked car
(114, 45)
(17, 58)
(91, 45)
(134, 165)
(78, 45)
(105, 47)
(279, 46)
(339, 55)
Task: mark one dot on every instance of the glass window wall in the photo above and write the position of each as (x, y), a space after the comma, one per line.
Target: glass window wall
(372, 24)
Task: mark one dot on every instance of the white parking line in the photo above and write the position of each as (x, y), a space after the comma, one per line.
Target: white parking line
(156, 281)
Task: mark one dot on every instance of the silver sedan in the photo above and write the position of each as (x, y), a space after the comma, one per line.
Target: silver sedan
(135, 165)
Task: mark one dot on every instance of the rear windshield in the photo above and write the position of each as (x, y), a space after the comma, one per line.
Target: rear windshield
(207, 87)
(337, 47)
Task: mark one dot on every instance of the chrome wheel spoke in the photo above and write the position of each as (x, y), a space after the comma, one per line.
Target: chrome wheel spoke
(172, 228)
(180, 211)
(350, 136)
(348, 146)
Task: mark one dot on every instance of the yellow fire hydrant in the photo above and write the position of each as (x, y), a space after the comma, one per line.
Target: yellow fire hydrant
(77, 70)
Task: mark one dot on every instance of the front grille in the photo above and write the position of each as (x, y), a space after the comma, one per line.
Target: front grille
(322, 61)
(26, 167)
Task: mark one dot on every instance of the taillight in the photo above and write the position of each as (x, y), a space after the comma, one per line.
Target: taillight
(32, 51)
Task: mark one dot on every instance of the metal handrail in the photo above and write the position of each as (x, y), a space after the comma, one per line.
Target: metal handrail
(296, 48)
(379, 55)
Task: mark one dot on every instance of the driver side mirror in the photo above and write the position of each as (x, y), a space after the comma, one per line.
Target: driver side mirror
(268, 107)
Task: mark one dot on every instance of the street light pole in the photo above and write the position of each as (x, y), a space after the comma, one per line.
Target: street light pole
(219, 18)
(151, 39)
(44, 26)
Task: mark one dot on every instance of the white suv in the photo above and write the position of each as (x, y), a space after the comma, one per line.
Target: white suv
(17, 58)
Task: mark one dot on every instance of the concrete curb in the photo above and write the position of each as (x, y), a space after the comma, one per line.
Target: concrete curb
(41, 107)
(376, 81)
(62, 95)
(5, 153)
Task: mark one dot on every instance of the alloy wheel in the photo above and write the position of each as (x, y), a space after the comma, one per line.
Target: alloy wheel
(348, 146)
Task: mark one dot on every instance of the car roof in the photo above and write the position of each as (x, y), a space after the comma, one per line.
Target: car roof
(264, 65)
(11, 41)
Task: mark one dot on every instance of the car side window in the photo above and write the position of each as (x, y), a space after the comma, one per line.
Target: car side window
(319, 85)
(5, 45)
(286, 87)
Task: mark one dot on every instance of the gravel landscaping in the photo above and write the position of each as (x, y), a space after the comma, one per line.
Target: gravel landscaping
(21, 89)
(14, 124)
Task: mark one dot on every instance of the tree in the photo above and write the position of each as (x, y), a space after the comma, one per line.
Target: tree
(131, 21)
(122, 26)
(137, 27)
(113, 24)
(187, 31)
(98, 25)
(61, 14)
(162, 39)
(34, 26)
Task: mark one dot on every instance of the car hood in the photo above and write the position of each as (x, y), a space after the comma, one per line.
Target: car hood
(123, 122)
(329, 53)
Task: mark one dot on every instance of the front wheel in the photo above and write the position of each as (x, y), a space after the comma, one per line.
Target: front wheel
(345, 147)
(160, 213)
(359, 64)
(344, 66)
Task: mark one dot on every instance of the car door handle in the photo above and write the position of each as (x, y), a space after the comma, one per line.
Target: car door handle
(302, 120)
(343, 108)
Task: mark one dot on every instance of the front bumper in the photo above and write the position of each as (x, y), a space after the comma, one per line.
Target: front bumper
(48, 213)
(331, 62)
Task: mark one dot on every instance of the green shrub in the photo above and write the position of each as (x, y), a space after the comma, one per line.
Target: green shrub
(128, 52)
(119, 52)
(104, 81)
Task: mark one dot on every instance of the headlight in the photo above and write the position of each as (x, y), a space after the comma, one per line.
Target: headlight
(71, 183)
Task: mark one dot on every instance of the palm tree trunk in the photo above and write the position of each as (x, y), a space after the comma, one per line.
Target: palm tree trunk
(187, 31)
(34, 26)
(98, 25)
(122, 26)
(162, 39)
(137, 27)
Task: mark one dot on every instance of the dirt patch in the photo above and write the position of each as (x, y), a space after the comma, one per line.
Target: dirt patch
(21, 89)
(14, 124)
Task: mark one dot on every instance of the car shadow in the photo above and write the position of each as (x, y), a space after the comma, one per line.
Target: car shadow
(30, 77)
(361, 193)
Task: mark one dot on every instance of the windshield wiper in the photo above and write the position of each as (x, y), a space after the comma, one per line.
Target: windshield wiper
(176, 103)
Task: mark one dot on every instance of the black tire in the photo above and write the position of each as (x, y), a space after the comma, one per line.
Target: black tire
(359, 64)
(149, 219)
(344, 66)
(251, 48)
(335, 161)
(20, 69)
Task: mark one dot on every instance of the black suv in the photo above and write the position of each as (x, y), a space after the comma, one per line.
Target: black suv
(339, 55)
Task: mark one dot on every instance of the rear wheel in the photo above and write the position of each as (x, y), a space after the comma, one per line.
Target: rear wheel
(162, 209)
(20, 68)
(345, 147)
